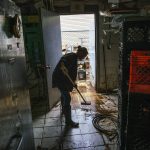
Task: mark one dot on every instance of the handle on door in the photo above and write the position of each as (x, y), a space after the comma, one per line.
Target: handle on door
(47, 67)
(11, 60)
(43, 66)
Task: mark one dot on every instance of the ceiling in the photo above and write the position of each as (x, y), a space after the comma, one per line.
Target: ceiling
(115, 6)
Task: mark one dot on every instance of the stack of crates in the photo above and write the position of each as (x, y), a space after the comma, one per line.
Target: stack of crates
(138, 133)
(134, 87)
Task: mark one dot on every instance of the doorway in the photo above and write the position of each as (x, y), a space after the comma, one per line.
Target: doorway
(79, 30)
(48, 124)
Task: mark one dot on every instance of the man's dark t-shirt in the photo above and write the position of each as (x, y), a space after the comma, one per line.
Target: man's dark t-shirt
(60, 80)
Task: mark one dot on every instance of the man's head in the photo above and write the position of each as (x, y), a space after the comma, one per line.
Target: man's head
(81, 52)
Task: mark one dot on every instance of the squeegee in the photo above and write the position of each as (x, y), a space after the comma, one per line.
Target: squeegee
(65, 71)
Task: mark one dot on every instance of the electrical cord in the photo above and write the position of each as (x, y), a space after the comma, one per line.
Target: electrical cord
(104, 119)
(109, 98)
(105, 71)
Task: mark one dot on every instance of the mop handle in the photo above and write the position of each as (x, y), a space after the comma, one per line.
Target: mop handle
(65, 71)
(80, 94)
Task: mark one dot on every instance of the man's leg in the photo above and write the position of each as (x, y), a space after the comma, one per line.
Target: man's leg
(66, 99)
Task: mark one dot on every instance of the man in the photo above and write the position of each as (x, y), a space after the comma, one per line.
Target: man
(67, 63)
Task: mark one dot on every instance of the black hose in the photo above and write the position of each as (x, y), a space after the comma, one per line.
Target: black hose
(111, 134)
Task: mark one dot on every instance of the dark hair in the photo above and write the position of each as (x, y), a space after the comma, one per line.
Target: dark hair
(83, 50)
(79, 47)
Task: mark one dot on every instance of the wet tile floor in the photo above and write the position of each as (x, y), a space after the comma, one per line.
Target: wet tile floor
(50, 132)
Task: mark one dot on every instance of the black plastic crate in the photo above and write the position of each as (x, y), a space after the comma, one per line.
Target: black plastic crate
(139, 114)
(135, 35)
(138, 122)
(138, 142)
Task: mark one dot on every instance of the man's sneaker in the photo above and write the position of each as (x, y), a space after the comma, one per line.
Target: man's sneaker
(72, 124)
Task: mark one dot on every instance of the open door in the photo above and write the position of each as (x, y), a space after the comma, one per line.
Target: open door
(52, 48)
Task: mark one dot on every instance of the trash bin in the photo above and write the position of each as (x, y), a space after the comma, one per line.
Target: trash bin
(81, 74)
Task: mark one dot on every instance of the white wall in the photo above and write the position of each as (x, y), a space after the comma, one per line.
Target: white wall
(111, 60)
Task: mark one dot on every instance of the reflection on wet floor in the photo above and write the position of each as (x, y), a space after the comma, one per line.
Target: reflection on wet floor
(49, 127)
